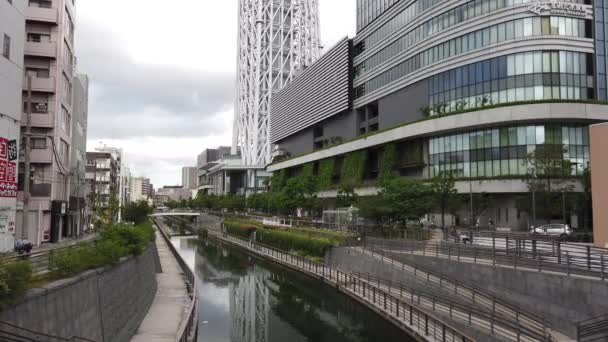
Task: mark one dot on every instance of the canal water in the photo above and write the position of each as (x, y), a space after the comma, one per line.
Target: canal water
(247, 299)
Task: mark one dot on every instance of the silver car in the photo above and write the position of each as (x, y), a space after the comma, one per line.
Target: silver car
(557, 229)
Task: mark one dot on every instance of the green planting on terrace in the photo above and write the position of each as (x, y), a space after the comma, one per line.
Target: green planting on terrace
(309, 242)
(510, 104)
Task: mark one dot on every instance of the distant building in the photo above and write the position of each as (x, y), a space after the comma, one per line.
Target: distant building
(12, 33)
(140, 189)
(123, 175)
(78, 214)
(175, 193)
(103, 179)
(189, 177)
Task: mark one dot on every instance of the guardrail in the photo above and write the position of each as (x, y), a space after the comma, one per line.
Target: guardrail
(40, 261)
(188, 329)
(497, 306)
(530, 254)
(593, 329)
(492, 322)
(396, 309)
(11, 332)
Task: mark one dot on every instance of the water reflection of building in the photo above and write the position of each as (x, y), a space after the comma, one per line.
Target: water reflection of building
(249, 308)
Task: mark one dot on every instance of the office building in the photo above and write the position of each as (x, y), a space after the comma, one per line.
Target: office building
(189, 177)
(175, 193)
(12, 36)
(470, 89)
(49, 77)
(79, 215)
(274, 44)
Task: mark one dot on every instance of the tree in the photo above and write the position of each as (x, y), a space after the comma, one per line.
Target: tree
(444, 191)
(137, 212)
(346, 196)
(300, 192)
(375, 208)
(410, 198)
(546, 176)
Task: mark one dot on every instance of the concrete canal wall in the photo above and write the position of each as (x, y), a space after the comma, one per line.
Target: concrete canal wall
(560, 299)
(105, 305)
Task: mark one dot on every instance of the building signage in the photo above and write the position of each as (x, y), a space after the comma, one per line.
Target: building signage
(8, 168)
(558, 8)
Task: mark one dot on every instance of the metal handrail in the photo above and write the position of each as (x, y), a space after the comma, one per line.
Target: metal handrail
(14, 331)
(188, 329)
(475, 294)
(40, 261)
(585, 262)
(404, 313)
(495, 322)
(593, 329)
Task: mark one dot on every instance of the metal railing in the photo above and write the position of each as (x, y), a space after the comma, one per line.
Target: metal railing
(482, 298)
(375, 230)
(593, 329)
(188, 328)
(404, 314)
(493, 322)
(521, 253)
(11, 332)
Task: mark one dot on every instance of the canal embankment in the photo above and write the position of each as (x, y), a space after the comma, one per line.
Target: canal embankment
(105, 304)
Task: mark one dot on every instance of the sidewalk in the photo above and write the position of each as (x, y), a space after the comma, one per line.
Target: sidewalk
(171, 302)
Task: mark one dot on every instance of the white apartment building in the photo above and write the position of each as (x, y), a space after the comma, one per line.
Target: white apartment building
(12, 33)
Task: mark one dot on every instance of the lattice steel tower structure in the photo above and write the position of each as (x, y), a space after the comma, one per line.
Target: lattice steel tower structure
(276, 39)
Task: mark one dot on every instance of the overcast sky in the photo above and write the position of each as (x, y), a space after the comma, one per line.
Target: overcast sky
(163, 76)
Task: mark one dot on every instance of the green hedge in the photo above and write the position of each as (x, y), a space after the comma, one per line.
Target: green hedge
(15, 279)
(116, 242)
(291, 241)
(239, 228)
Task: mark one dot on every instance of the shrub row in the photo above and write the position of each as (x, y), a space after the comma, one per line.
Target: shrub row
(116, 242)
(15, 280)
(290, 241)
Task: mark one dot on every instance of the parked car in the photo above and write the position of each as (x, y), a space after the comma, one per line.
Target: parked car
(556, 229)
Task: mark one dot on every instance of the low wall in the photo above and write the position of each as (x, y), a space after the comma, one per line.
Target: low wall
(105, 305)
(561, 300)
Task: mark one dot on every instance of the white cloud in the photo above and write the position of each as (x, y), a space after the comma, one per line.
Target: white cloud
(172, 43)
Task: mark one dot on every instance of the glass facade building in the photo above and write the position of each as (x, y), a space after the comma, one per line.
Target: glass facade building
(502, 152)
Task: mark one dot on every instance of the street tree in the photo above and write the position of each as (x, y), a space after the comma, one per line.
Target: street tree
(444, 191)
(410, 198)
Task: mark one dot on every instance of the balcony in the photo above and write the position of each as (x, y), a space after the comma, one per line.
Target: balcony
(41, 49)
(42, 120)
(39, 156)
(41, 84)
(42, 14)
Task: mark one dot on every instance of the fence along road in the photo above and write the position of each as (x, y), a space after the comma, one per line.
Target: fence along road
(421, 325)
(567, 259)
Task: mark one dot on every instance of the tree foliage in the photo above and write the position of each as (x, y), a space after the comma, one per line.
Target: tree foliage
(445, 193)
(137, 212)
(410, 198)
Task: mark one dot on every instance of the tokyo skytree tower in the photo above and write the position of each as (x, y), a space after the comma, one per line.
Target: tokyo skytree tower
(276, 39)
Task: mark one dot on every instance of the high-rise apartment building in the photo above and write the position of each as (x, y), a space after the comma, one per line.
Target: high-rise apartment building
(103, 173)
(12, 36)
(276, 40)
(140, 189)
(470, 89)
(49, 77)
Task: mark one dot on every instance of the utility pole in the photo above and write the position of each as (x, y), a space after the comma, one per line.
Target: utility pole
(26, 178)
(471, 200)
(79, 218)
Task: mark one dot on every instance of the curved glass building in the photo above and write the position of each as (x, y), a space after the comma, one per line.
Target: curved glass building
(474, 89)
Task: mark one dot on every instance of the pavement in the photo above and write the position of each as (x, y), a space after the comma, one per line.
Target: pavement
(163, 320)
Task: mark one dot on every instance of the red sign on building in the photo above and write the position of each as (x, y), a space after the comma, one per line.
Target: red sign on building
(8, 172)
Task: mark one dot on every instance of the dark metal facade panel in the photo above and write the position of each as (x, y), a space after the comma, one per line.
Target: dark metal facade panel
(321, 91)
